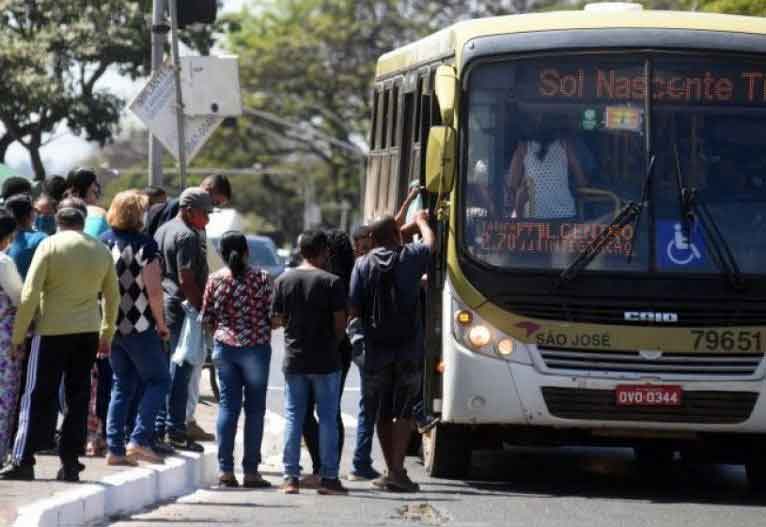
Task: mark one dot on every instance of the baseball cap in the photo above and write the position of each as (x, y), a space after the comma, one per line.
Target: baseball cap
(195, 198)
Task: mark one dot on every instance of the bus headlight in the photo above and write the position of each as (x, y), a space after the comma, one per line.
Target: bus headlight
(505, 347)
(477, 335)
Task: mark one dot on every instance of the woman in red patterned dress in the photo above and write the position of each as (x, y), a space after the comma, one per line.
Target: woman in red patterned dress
(235, 308)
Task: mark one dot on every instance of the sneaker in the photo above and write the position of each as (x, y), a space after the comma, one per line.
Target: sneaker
(195, 433)
(18, 473)
(291, 486)
(142, 453)
(401, 483)
(425, 424)
(163, 448)
(254, 480)
(182, 442)
(228, 480)
(332, 487)
(115, 460)
(70, 473)
(366, 474)
(311, 481)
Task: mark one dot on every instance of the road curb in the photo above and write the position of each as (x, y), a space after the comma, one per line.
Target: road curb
(123, 493)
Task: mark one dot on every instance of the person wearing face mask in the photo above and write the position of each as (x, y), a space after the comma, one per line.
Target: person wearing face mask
(26, 239)
(182, 244)
(53, 189)
(10, 367)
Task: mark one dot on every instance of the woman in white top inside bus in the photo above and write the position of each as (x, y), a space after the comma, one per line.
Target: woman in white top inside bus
(539, 185)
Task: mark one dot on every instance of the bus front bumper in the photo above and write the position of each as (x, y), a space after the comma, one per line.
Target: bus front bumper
(478, 389)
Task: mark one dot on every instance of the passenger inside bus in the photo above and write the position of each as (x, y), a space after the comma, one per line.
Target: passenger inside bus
(539, 179)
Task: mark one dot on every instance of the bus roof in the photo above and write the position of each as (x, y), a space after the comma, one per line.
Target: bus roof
(451, 40)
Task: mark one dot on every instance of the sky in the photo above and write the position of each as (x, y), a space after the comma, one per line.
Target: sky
(65, 150)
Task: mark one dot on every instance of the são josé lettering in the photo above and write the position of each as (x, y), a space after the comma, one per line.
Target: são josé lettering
(704, 87)
(598, 340)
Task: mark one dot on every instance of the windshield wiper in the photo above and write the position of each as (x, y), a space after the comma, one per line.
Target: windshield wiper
(644, 199)
(594, 248)
(720, 250)
(630, 213)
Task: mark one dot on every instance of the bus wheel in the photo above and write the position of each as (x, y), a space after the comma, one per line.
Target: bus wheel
(447, 451)
(755, 469)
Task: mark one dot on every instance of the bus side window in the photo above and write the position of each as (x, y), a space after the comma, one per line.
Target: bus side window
(373, 170)
(389, 198)
(405, 152)
(384, 172)
(374, 132)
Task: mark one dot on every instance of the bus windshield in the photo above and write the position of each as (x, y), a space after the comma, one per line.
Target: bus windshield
(558, 145)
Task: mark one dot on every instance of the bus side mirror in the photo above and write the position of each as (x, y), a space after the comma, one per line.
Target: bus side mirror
(445, 86)
(440, 159)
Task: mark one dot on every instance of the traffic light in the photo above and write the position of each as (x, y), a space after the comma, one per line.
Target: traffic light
(196, 12)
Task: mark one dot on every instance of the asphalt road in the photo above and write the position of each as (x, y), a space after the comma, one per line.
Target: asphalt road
(525, 487)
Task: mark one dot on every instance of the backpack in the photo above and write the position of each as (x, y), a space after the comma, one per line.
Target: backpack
(388, 325)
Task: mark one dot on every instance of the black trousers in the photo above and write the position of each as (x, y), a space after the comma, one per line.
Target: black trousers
(50, 358)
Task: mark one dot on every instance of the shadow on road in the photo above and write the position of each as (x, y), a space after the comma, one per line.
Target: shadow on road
(597, 473)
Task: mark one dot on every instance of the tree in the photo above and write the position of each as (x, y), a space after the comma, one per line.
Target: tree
(312, 62)
(54, 54)
(736, 7)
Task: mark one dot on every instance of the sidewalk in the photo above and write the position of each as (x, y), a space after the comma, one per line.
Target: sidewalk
(104, 490)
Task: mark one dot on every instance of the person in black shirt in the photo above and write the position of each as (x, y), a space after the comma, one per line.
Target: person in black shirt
(311, 304)
(340, 262)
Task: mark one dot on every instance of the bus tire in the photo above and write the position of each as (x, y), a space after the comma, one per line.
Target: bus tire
(447, 451)
(755, 468)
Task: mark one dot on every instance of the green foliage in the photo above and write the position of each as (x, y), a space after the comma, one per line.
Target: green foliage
(736, 7)
(312, 62)
(54, 54)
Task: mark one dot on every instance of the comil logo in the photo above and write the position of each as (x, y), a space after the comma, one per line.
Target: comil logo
(651, 316)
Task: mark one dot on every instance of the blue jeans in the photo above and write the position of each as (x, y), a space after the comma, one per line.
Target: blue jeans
(326, 389)
(365, 431)
(241, 370)
(172, 416)
(136, 359)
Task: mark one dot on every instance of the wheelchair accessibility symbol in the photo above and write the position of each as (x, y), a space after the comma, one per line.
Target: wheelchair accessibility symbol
(680, 250)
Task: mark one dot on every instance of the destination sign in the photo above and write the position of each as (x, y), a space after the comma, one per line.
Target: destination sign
(711, 85)
(548, 237)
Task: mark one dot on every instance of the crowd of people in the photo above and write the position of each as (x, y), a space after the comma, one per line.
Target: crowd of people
(107, 315)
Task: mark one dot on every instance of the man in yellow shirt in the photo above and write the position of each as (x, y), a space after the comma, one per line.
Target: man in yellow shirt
(61, 293)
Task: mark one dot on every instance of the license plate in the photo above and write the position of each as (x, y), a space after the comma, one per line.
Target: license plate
(644, 395)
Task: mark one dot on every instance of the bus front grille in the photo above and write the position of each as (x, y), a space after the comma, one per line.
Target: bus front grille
(710, 407)
(608, 311)
(618, 362)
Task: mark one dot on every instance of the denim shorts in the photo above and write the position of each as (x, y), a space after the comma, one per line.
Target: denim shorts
(393, 390)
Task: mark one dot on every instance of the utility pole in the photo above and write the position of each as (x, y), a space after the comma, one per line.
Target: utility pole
(179, 98)
(159, 32)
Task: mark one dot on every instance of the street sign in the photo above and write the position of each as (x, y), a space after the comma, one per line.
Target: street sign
(156, 107)
(210, 86)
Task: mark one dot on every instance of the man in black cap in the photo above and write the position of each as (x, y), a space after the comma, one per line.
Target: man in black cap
(184, 254)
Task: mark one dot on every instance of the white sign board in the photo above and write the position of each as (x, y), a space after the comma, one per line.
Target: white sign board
(210, 86)
(156, 106)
